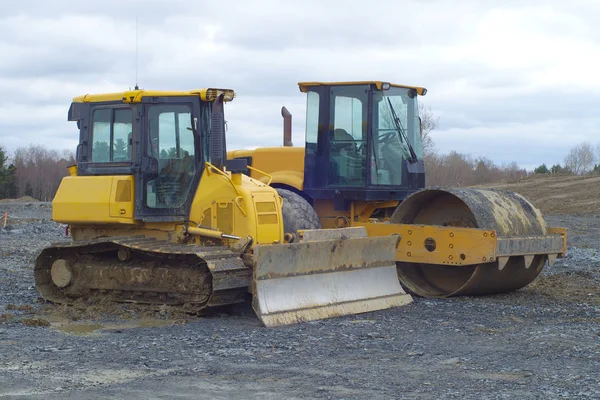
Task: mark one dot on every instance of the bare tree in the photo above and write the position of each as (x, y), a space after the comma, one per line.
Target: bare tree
(429, 123)
(453, 169)
(456, 169)
(580, 158)
(40, 170)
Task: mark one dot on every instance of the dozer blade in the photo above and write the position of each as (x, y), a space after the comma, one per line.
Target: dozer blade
(329, 273)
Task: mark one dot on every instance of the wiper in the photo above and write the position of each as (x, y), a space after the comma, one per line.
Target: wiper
(402, 133)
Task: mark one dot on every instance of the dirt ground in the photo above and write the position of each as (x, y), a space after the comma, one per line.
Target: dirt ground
(541, 342)
(562, 194)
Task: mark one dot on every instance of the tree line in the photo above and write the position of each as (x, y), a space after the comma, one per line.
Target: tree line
(37, 171)
(33, 171)
(458, 169)
(581, 159)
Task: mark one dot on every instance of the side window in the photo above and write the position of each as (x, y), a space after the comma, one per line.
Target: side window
(111, 135)
(347, 141)
(171, 142)
(312, 122)
(348, 116)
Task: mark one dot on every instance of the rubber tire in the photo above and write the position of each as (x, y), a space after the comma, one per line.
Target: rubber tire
(297, 213)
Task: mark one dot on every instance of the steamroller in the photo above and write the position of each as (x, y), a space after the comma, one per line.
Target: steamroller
(362, 166)
(158, 215)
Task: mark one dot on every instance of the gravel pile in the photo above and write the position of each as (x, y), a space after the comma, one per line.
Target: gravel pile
(542, 342)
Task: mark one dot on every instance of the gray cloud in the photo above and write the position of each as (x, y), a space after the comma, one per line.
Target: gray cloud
(509, 80)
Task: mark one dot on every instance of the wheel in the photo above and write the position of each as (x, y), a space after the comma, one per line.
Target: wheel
(297, 213)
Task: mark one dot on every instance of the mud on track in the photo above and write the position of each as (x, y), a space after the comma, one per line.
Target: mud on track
(540, 342)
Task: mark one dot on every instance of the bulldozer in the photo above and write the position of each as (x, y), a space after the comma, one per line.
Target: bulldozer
(158, 215)
(362, 166)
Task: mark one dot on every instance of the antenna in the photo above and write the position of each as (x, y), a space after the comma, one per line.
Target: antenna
(136, 51)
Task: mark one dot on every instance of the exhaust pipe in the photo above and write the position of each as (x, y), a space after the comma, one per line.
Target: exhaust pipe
(287, 126)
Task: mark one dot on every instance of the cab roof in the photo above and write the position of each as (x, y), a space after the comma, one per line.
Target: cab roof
(378, 84)
(136, 96)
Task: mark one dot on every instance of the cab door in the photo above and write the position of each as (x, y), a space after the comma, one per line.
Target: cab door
(171, 159)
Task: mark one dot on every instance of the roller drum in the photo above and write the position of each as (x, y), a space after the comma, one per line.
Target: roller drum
(506, 212)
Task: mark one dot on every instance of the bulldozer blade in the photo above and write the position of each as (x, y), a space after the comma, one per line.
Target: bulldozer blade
(334, 273)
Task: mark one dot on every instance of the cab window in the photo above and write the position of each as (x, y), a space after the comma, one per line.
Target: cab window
(348, 138)
(172, 144)
(111, 135)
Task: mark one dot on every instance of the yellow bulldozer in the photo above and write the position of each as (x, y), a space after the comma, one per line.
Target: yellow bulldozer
(158, 215)
(362, 166)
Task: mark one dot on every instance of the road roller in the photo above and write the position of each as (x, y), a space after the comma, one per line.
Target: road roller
(362, 166)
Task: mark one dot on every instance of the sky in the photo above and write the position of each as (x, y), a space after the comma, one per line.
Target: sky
(509, 80)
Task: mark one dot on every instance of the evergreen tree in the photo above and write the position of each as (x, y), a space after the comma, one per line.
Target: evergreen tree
(8, 186)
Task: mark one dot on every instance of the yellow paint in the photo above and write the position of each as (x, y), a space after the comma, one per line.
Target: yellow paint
(89, 204)
(453, 245)
(255, 207)
(327, 213)
(94, 199)
(169, 231)
(285, 165)
(378, 84)
(362, 210)
(136, 96)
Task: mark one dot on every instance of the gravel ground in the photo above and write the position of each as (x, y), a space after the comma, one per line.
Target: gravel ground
(542, 342)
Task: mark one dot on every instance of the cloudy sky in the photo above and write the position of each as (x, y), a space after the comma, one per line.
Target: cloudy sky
(509, 80)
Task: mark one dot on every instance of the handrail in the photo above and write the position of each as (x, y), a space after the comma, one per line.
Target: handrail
(219, 172)
(261, 172)
(239, 195)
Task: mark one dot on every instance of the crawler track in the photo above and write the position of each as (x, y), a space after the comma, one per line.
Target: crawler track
(141, 270)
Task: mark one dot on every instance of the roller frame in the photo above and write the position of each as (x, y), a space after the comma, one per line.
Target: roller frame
(476, 245)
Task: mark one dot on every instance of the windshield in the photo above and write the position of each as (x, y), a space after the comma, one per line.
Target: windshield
(396, 134)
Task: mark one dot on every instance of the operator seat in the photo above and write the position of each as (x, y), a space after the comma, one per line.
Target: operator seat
(345, 161)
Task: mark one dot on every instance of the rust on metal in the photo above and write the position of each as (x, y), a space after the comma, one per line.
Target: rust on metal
(287, 127)
(563, 233)
(530, 245)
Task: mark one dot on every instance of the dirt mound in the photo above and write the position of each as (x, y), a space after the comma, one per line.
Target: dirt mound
(24, 199)
(563, 194)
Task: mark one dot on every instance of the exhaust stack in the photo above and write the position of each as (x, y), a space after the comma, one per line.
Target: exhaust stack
(287, 127)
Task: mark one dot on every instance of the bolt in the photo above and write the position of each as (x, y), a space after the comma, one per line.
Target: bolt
(408, 254)
(410, 232)
(450, 257)
(451, 234)
(484, 234)
(493, 234)
(484, 259)
(409, 243)
(451, 246)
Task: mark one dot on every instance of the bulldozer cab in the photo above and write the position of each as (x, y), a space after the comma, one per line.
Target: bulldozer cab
(161, 138)
(363, 141)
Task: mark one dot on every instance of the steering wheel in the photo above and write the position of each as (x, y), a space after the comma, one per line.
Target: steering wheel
(386, 137)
